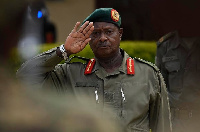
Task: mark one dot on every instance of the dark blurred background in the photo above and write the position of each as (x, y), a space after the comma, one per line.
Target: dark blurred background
(135, 18)
(150, 19)
(52, 20)
(29, 23)
(141, 19)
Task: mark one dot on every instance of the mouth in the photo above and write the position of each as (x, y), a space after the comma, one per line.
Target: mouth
(103, 45)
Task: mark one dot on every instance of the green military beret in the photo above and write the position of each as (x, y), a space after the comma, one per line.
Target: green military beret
(104, 15)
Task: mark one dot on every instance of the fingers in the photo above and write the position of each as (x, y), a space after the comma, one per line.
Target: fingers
(76, 27)
(87, 41)
(83, 26)
(84, 43)
(84, 32)
(88, 30)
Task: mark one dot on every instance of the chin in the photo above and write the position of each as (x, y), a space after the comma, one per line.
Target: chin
(104, 54)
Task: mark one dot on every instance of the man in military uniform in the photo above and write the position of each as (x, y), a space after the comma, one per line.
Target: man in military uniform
(134, 88)
(178, 59)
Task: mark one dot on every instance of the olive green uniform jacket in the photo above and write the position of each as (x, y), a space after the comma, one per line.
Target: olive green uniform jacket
(140, 101)
(180, 67)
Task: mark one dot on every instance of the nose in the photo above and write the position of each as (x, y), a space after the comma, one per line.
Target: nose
(103, 37)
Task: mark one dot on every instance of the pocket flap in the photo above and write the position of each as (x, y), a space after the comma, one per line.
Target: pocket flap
(86, 84)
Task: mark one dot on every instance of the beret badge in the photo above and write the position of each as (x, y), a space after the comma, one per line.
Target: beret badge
(109, 15)
(114, 15)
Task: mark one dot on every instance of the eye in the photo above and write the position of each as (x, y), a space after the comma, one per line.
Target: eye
(95, 33)
(109, 32)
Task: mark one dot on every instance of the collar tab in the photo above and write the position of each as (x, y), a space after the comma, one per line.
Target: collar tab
(89, 67)
(130, 66)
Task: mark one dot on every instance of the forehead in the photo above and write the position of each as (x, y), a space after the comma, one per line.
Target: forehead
(104, 25)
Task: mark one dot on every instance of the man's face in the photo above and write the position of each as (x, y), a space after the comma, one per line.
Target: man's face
(105, 39)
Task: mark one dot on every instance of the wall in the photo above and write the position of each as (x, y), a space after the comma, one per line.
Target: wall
(64, 14)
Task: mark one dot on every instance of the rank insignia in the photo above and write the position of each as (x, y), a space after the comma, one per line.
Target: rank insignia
(130, 66)
(161, 40)
(89, 66)
(114, 15)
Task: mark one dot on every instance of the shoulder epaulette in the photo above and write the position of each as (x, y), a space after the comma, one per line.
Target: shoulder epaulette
(148, 63)
(165, 37)
(78, 57)
(158, 73)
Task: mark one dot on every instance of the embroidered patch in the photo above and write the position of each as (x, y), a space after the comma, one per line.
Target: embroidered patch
(130, 66)
(89, 67)
(161, 40)
(114, 15)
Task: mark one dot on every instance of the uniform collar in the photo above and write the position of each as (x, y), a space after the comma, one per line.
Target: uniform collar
(176, 40)
(98, 69)
(123, 67)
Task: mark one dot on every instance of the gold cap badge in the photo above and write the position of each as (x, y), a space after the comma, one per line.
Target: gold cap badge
(114, 15)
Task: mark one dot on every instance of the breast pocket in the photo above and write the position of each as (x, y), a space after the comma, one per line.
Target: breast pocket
(172, 66)
(174, 75)
(88, 89)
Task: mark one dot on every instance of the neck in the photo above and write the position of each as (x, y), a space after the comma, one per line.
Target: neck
(111, 64)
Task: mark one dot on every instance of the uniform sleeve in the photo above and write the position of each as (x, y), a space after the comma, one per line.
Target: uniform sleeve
(160, 116)
(42, 69)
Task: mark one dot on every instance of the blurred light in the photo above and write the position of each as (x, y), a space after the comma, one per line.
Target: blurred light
(28, 46)
(39, 15)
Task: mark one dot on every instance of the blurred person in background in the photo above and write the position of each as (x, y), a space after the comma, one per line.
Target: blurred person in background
(178, 58)
(37, 29)
(24, 26)
(133, 88)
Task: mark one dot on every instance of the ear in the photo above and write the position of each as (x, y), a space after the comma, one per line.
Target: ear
(120, 32)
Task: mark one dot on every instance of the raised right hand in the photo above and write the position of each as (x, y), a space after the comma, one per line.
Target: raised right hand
(78, 39)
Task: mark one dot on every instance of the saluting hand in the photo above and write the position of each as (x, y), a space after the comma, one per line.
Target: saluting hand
(78, 39)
